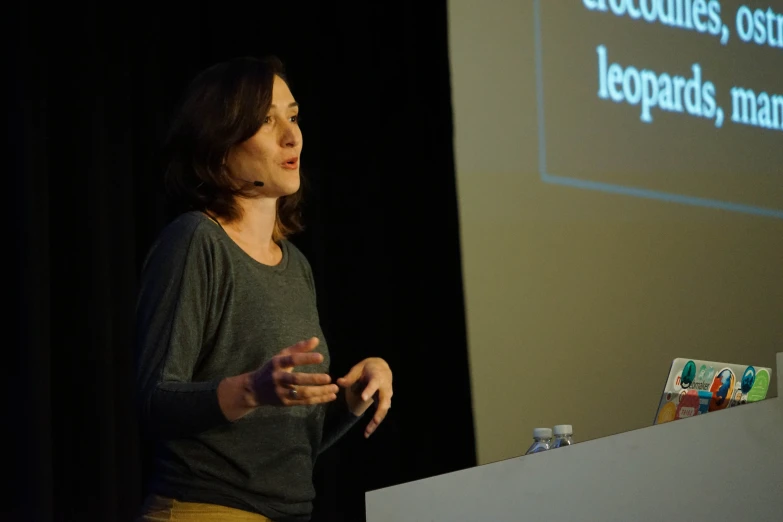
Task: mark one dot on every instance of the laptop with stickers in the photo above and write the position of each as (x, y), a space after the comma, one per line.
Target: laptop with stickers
(695, 387)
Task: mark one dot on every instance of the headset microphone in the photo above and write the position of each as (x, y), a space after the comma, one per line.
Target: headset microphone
(256, 183)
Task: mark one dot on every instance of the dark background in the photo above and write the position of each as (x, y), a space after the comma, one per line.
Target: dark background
(91, 91)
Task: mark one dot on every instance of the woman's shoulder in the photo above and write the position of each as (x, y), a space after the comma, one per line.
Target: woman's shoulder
(185, 245)
(188, 225)
(186, 231)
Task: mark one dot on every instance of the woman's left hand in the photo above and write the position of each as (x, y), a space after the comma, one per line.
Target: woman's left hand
(371, 378)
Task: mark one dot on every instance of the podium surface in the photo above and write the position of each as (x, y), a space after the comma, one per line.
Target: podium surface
(722, 466)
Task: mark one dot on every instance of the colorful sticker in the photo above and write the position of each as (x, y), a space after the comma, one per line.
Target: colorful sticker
(668, 413)
(748, 378)
(688, 374)
(760, 386)
(704, 401)
(689, 405)
(736, 398)
(721, 389)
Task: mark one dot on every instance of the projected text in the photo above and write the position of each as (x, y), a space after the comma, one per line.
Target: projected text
(692, 93)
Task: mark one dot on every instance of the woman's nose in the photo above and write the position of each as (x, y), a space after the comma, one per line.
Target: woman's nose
(291, 135)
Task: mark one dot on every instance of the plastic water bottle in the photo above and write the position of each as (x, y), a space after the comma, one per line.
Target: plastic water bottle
(563, 436)
(541, 439)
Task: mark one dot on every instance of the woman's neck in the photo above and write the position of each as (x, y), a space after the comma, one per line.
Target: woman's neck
(253, 231)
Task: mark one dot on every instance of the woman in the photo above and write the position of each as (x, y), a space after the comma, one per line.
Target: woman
(233, 366)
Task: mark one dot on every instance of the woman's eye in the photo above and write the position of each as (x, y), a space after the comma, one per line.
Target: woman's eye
(295, 118)
(267, 119)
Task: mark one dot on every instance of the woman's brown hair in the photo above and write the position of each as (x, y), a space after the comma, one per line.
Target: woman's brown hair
(223, 106)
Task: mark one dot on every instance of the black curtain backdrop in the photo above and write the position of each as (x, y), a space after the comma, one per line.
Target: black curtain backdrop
(91, 92)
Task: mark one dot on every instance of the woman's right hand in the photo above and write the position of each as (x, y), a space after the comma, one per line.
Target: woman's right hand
(277, 384)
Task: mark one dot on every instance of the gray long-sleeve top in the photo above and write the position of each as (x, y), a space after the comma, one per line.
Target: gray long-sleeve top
(206, 311)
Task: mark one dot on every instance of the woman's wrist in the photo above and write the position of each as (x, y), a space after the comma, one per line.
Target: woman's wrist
(236, 396)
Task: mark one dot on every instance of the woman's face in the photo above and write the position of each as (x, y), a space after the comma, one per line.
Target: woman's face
(272, 154)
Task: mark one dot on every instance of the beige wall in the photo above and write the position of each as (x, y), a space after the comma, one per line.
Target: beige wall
(578, 300)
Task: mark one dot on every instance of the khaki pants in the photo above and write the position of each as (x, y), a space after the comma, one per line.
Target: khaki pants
(163, 509)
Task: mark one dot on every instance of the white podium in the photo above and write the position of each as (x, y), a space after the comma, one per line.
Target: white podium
(722, 466)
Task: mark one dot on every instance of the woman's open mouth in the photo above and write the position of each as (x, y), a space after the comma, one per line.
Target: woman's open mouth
(291, 163)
